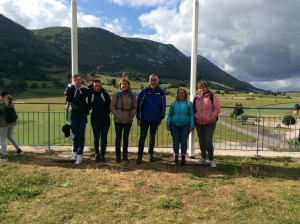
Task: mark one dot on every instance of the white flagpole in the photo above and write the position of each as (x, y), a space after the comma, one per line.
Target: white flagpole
(191, 149)
(74, 39)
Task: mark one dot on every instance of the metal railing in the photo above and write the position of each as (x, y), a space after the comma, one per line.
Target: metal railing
(43, 128)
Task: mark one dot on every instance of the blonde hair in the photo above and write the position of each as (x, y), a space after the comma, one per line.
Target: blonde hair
(185, 93)
(124, 79)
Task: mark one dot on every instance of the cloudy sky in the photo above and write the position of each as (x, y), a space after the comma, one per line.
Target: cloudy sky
(257, 41)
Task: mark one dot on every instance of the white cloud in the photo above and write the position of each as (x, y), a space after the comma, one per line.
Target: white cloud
(252, 40)
(279, 85)
(138, 3)
(34, 14)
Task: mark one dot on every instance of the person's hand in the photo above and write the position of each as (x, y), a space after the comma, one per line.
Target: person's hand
(191, 129)
(83, 82)
(159, 123)
(139, 122)
(168, 128)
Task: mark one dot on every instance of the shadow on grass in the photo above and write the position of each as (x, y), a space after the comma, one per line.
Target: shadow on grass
(227, 167)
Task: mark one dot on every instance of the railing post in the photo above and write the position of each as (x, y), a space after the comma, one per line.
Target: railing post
(257, 131)
(48, 149)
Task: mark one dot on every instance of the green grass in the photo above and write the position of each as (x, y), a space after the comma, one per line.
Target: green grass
(35, 189)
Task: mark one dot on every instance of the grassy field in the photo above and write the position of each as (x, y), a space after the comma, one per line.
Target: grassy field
(35, 189)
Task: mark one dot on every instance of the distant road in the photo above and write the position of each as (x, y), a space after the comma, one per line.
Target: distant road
(263, 141)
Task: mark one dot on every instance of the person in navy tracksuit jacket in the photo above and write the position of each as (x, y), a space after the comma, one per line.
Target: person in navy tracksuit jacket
(151, 108)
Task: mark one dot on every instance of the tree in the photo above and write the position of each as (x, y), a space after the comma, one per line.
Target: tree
(238, 110)
(2, 82)
(34, 85)
(142, 87)
(44, 85)
(113, 82)
(288, 120)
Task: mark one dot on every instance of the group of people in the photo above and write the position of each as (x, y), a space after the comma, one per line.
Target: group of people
(149, 107)
(7, 122)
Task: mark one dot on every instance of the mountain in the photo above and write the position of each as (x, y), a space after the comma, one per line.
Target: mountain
(34, 54)
(23, 54)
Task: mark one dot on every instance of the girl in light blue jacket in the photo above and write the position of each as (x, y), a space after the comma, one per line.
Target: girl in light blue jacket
(180, 122)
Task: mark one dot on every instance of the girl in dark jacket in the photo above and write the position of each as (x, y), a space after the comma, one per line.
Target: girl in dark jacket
(99, 102)
(77, 112)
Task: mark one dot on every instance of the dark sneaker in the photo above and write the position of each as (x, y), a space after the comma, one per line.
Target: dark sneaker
(126, 159)
(151, 158)
(18, 152)
(183, 161)
(97, 158)
(118, 160)
(175, 159)
(102, 159)
(4, 158)
(139, 160)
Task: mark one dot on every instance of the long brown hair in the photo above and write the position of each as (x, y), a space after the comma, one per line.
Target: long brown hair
(8, 100)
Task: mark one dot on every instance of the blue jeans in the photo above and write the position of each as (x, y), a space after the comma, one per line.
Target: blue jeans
(100, 129)
(143, 134)
(78, 128)
(7, 132)
(205, 135)
(180, 135)
(119, 128)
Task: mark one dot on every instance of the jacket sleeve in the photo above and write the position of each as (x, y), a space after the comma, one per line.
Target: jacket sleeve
(164, 104)
(107, 101)
(113, 104)
(139, 101)
(89, 101)
(134, 105)
(168, 123)
(69, 92)
(192, 119)
(216, 109)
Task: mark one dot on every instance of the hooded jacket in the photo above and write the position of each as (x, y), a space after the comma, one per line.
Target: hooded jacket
(124, 108)
(99, 102)
(2, 115)
(76, 102)
(206, 112)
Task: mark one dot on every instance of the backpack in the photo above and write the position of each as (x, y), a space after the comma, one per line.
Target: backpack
(211, 97)
(93, 97)
(120, 94)
(10, 114)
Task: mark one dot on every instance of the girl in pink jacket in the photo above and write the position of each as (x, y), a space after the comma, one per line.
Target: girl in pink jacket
(207, 108)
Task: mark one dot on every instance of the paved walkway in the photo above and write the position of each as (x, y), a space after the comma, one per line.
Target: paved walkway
(218, 152)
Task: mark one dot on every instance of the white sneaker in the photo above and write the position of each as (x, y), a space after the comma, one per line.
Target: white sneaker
(212, 164)
(74, 156)
(79, 159)
(201, 161)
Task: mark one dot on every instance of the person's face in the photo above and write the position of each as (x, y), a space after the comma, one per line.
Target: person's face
(181, 94)
(153, 81)
(124, 86)
(96, 86)
(202, 89)
(1, 99)
(78, 81)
